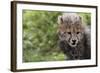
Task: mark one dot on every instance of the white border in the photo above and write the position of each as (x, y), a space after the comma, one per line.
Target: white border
(34, 65)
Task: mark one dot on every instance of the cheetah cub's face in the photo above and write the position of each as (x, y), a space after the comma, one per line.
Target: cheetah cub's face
(70, 28)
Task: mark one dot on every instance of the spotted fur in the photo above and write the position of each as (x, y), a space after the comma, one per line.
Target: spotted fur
(74, 37)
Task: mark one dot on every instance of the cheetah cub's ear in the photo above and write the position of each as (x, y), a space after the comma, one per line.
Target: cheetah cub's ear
(60, 20)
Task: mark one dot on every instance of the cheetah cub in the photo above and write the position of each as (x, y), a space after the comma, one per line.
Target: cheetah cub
(74, 37)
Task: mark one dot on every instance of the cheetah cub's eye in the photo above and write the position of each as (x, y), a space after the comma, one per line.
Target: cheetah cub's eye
(69, 32)
(64, 32)
(77, 32)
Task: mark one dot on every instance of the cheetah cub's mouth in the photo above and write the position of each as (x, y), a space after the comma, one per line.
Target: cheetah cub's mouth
(73, 44)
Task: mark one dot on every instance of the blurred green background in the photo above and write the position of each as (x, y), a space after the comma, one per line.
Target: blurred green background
(40, 40)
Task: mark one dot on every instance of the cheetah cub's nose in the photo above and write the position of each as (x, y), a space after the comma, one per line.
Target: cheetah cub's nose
(74, 42)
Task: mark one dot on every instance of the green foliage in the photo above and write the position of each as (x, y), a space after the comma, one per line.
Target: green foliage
(40, 40)
(40, 36)
(86, 18)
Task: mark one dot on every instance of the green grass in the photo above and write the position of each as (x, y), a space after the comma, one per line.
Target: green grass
(31, 56)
